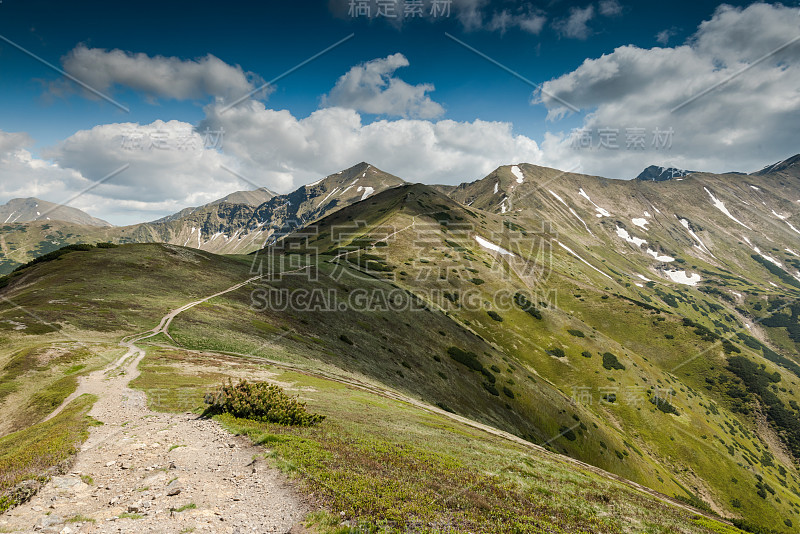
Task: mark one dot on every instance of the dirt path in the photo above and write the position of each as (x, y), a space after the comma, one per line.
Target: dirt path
(136, 471)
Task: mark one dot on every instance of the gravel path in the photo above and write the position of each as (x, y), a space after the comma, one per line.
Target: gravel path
(143, 471)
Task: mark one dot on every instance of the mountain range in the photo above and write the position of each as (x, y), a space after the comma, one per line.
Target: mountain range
(647, 328)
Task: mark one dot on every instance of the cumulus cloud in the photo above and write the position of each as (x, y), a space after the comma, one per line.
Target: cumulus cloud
(576, 25)
(170, 166)
(158, 76)
(285, 151)
(747, 121)
(170, 163)
(371, 88)
(22, 175)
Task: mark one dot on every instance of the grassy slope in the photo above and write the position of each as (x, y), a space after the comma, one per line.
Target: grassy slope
(401, 350)
(61, 319)
(678, 455)
(385, 463)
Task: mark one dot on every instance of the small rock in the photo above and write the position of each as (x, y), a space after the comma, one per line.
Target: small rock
(110, 464)
(47, 521)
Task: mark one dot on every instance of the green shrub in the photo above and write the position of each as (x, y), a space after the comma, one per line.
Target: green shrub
(527, 306)
(346, 339)
(496, 316)
(558, 352)
(260, 401)
(664, 405)
(610, 362)
(469, 359)
(586, 354)
(576, 333)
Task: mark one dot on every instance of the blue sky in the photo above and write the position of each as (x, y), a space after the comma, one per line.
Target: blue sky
(543, 42)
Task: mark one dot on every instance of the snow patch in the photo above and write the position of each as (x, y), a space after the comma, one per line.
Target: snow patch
(565, 247)
(367, 191)
(682, 278)
(700, 244)
(328, 195)
(781, 217)
(601, 212)
(491, 246)
(768, 258)
(518, 173)
(665, 259)
(641, 223)
(721, 207)
(572, 211)
(623, 233)
(792, 227)
(496, 187)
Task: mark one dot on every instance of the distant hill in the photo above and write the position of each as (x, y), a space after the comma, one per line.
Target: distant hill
(24, 210)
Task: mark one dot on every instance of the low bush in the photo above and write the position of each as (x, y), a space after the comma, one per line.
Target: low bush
(260, 401)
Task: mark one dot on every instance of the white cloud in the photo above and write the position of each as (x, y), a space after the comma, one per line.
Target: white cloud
(285, 151)
(610, 8)
(159, 76)
(743, 124)
(12, 141)
(531, 22)
(576, 25)
(161, 178)
(371, 88)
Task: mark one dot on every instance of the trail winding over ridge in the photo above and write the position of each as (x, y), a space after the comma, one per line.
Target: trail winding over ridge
(143, 471)
(147, 465)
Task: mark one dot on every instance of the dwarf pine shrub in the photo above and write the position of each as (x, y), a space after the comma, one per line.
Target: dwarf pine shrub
(260, 401)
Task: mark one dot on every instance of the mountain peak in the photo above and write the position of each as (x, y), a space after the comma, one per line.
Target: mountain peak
(25, 210)
(785, 165)
(655, 173)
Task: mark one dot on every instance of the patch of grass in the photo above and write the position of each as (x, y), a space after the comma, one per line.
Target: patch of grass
(33, 453)
(128, 515)
(173, 447)
(88, 480)
(189, 506)
(79, 518)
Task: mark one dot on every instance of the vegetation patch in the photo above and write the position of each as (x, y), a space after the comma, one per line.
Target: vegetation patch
(611, 362)
(260, 401)
(29, 457)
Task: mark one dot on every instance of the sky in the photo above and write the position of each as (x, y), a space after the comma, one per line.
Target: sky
(134, 111)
